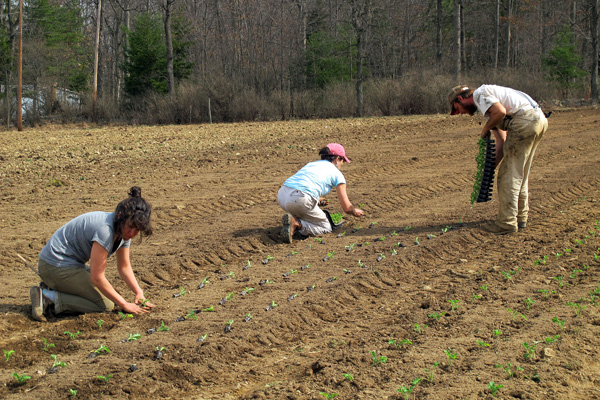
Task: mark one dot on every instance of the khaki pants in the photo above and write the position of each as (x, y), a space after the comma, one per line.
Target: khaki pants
(75, 291)
(305, 209)
(524, 132)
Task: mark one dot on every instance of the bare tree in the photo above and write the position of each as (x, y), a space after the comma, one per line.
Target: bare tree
(457, 39)
(169, 42)
(595, 49)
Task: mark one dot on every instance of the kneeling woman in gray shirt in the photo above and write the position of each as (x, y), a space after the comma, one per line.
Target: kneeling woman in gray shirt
(69, 285)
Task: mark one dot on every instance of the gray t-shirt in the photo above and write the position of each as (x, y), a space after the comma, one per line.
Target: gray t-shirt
(71, 245)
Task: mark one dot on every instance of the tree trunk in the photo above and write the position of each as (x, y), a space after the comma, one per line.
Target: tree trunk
(96, 53)
(497, 37)
(169, 40)
(361, 11)
(508, 30)
(457, 43)
(438, 33)
(595, 49)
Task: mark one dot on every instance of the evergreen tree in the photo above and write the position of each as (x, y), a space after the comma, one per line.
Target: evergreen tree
(562, 61)
(146, 56)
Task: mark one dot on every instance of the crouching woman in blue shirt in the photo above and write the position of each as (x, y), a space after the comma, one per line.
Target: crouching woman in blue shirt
(71, 286)
(301, 194)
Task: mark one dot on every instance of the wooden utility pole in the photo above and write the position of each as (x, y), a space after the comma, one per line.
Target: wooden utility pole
(20, 71)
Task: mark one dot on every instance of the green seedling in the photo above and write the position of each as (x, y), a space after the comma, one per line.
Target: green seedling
(528, 302)
(133, 336)
(508, 369)
(361, 264)
(162, 327)
(455, 304)
(331, 254)
(476, 296)
(144, 302)
(541, 261)
(381, 257)
(417, 328)
(516, 314)
(552, 339)
(407, 391)
(544, 292)
(182, 291)
(125, 316)
(567, 251)
(318, 240)
(430, 371)
(229, 296)
(346, 271)
(249, 289)
(8, 354)
(21, 379)
(575, 272)
(247, 317)
(378, 360)
(560, 323)
(560, 281)
(103, 378)
(328, 395)
(393, 252)
(203, 337)
(350, 247)
(401, 343)
(394, 233)
(209, 309)
(451, 356)
(102, 349)
(557, 255)
(381, 239)
(72, 335)
(336, 218)
(191, 315)
(484, 287)
(47, 346)
(509, 275)
(56, 362)
(579, 242)
(73, 392)
(417, 241)
(482, 343)
(407, 228)
(437, 316)
(349, 377)
(529, 350)
(497, 332)
(578, 308)
(446, 228)
(366, 243)
(231, 274)
(273, 304)
(99, 323)
(494, 388)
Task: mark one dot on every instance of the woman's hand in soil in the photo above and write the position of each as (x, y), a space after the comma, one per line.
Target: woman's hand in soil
(357, 212)
(133, 308)
(144, 303)
(323, 202)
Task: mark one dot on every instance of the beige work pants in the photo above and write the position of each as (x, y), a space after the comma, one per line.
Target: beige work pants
(524, 132)
(74, 289)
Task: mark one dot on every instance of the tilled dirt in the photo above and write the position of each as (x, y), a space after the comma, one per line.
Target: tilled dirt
(471, 314)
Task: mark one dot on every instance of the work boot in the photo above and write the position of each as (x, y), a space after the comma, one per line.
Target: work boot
(287, 231)
(492, 227)
(37, 303)
(522, 224)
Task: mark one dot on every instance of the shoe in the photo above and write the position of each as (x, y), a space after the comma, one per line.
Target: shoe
(491, 227)
(287, 231)
(37, 303)
(522, 225)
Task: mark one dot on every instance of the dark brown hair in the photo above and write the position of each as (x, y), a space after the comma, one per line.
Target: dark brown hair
(325, 154)
(134, 210)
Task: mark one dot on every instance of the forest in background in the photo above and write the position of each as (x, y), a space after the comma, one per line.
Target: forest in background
(197, 61)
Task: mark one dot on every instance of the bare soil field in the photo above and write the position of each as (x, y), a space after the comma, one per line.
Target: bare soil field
(412, 300)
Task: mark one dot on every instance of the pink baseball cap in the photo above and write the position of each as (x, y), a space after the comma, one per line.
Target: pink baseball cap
(337, 150)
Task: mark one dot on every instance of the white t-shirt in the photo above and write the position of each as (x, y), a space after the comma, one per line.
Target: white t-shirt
(513, 100)
(316, 178)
